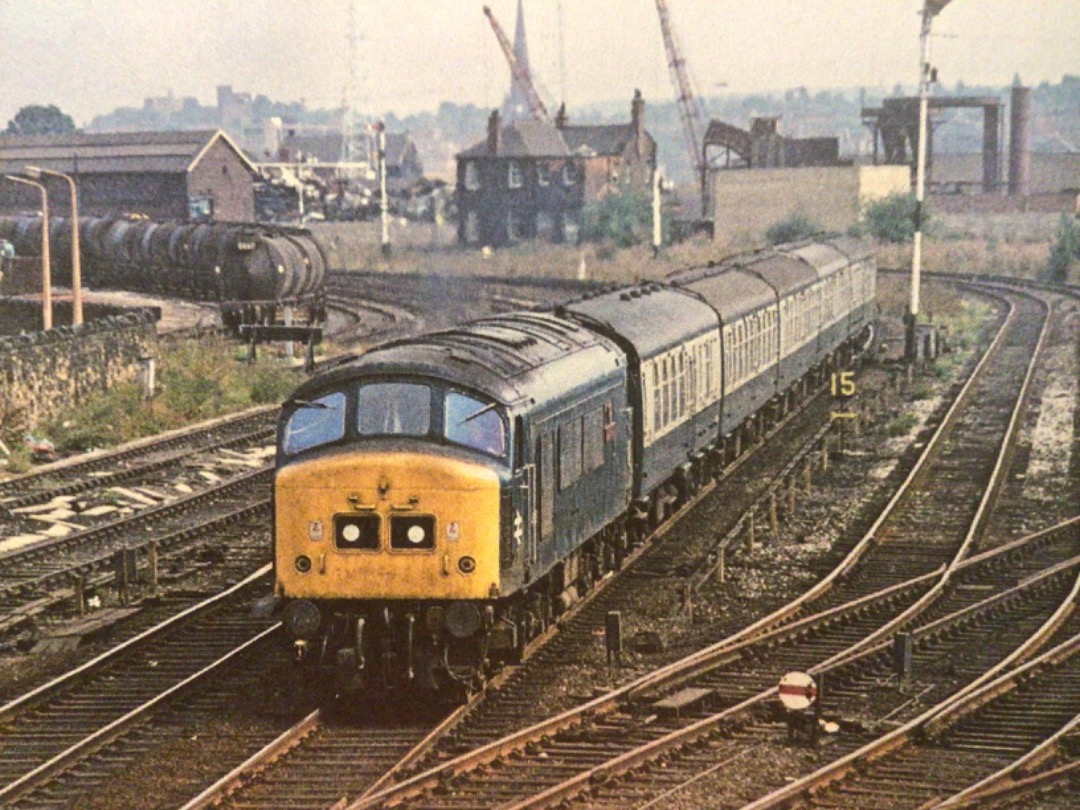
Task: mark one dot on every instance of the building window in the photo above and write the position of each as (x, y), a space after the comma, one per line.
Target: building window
(569, 174)
(543, 175)
(472, 176)
(514, 176)
(545, 225)
(571, 227)
(472, 227)
(515, 226)
(200, 209)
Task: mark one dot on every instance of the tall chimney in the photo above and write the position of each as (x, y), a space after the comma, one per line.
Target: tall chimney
(637, 116)
(493, 134)
(1020, 142)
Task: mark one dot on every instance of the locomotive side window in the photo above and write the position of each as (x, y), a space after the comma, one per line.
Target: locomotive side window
(393, 409)
(314, 423)
(569, 453)
(474, 423)
(592, 439)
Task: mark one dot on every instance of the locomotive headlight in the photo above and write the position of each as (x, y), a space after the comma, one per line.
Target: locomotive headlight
(303, 563)
(466, 565)
(302, 619)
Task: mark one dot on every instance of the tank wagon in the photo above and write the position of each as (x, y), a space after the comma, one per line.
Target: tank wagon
(253, 271)
(440, 499)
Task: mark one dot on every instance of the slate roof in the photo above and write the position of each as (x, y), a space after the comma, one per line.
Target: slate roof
(601, 139)
(530, 138)
(534, 138)
(113, 152)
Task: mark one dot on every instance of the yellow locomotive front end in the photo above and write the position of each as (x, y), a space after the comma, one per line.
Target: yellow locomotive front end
(389, 505)
(386, 525)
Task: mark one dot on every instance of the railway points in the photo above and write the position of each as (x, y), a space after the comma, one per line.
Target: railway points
(786, 481)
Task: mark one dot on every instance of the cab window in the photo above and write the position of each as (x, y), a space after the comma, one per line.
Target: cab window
(475, 423)
(314, 422)
(393, 409)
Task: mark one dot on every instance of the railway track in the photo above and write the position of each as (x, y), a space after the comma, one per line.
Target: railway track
(41, 576)
(55, 728)
(941, 462)
(281, 774)
(1003, 716)
(136, 461)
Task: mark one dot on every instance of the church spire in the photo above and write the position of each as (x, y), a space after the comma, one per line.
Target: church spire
(516, 105)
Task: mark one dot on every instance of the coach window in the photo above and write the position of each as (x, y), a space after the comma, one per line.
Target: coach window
(655, 395)
(475, 423)
(393, 409)
(315, 422)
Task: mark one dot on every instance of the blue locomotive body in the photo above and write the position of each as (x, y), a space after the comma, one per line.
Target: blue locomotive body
(476, 481)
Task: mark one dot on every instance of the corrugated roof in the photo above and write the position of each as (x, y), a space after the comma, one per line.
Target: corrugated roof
(112, 152)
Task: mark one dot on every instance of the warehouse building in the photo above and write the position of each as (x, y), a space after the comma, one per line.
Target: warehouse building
(193, 175)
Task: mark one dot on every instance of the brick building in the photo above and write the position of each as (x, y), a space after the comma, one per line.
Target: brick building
(197, 174)
(532, 179)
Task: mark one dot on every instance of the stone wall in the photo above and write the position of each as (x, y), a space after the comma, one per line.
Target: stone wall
(44, 372)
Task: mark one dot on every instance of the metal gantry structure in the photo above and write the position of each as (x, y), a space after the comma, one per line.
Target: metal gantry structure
(689, 109)
(520, 72)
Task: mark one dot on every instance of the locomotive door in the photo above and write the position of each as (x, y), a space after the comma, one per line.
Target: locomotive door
(528, 483)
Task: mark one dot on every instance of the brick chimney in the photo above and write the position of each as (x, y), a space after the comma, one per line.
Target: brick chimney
(494, 134)
(560, 116)
(637, 116)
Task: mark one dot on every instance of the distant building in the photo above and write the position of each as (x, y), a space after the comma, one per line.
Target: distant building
(532, 179)
(195, 174)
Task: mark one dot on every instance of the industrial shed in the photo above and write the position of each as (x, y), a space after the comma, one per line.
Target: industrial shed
(191, 175)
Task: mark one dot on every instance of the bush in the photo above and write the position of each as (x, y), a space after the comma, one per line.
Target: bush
(199, 380)
(792, 228)
(625, 219)
(1065, 252)
(892, 218)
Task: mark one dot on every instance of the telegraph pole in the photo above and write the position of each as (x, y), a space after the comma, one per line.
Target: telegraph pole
(927, 76)
(385, 212)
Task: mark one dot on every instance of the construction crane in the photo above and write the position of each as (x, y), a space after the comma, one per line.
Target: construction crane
(520, 72)
(689, 111)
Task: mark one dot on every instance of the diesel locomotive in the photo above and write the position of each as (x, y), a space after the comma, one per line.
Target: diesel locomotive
(440, 499)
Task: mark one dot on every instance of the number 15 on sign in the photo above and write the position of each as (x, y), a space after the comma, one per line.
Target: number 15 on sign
(842, 383)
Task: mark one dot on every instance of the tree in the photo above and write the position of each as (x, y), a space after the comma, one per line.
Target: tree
(792, 228)
(1065, 253)
(36, 119)
(892, 218)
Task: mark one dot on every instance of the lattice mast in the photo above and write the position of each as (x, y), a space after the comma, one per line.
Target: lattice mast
(689, 111)
(520, 72)
(355, 139)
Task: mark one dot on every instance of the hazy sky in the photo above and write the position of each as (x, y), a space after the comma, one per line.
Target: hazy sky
(89, 56)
